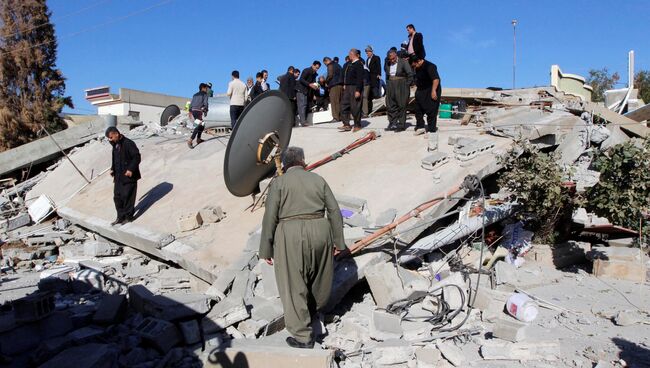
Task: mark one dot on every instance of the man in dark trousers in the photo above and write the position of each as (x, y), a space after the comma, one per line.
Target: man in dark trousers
(302, 226)
(353, 74)
(125, 170)
(306, 83)
(198, 109)
(399, 76)
(288, 87)
(373, 63)
(416, 42)
(335, 86)
(427, 95)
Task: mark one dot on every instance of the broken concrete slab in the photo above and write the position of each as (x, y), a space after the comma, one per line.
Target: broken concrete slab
(385, 284)
(175, 305)
(385, 326)
(509, 329)
(428, 356)
(262, 354)
(95, 248)
(225, 314)
(452, 353)
(524, 351)
(88, 355)
(352, 235)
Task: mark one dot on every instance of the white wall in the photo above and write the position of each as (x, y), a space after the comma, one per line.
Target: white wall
(147, 113)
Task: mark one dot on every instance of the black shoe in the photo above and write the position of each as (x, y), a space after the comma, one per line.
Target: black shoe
(127, 219)
(291, 341)
(400, 128)
(117, 221)
(391, 127)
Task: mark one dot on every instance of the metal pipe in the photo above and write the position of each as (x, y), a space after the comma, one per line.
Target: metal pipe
(413, 213)
(65, 154)
(356, 144)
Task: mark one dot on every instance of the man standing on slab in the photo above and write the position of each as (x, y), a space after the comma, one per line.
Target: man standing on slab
(302, 225)
(237, 94)
(399, 76)
(427, 95)
(125, 170)
(353, 74)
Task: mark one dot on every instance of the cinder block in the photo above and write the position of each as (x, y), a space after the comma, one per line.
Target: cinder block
(225, 314)
(433, 142)
(94, 248)
(137, 296)
(509, 329)
(33, 307)
(161, 334)
(212, 214)
(112, 310)
(622, 270)
(434, 160)
(20, 220)
(190, 222)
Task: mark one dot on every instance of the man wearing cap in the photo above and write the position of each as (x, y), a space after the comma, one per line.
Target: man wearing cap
(237, 94)
(353, 75)
(335, 86)
(427, 95)
(373, 63)
(125, 170)
(399, 76)
(301, 229)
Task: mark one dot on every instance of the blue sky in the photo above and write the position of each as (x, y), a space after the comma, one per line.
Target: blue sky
(176, 44)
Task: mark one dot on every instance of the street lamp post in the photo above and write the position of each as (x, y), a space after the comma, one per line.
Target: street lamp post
(514, 51)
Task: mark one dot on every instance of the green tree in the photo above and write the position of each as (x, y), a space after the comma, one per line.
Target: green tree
(600, 80)
(642, 83)
(31, 87)
(623, 191)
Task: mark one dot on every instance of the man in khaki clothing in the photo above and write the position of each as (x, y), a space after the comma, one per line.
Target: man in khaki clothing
(302, 225)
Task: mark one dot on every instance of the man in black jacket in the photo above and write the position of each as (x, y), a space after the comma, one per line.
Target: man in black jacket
(125, 170)
(353, 74)
(257, 88)
(306, 82)
(288, 87)
(373, 63)
(198, 109)
(416, 42)
(334, 86)
(427, 95)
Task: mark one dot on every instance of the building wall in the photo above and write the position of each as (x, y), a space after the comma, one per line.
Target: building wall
(144, 113)
(570, 83)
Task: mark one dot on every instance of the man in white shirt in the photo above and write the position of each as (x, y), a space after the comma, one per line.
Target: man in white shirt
(237, 94)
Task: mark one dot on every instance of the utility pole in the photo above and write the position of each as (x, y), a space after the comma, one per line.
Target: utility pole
(514, 51)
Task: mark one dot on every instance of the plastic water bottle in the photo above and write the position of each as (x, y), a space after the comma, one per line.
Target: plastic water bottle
(522, 307)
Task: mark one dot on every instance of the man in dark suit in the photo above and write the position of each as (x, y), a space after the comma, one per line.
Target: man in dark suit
(125, 170)
(373, 63)
(353, 75)
(257, 88)
(416, 42)
(334, 85)
(306, 83)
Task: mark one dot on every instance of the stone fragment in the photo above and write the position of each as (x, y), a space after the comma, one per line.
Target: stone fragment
(428, 356)
(112, 310)
(189, 222)
(211, 214)
(94, 248)
(251, 328)
(452, 353)
(509, 329)
(224, 314)
(385, 326)
(628, 318)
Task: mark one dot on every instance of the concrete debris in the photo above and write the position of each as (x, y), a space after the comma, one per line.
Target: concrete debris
(619, 263)
(190, 222)
(509, 329)
(160, 334)
(385, 326)
(524, 351)
(211, 214)
(452, 353)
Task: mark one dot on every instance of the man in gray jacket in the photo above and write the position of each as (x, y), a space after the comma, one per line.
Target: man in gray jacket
(198, 109)
(399, 76)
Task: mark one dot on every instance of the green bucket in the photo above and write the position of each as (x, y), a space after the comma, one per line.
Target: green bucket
(445, 111)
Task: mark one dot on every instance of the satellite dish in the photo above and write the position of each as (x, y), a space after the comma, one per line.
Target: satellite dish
(261, 133)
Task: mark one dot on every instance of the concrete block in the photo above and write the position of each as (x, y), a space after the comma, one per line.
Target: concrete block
(87, 356)
(20, 220)
(385, 326)
(189, 222)
(385, 284)
(524, 351)
(160, 334)
(452, 353)
(628, 318)
(261, 354)
(393, 353)
(111, 310)
(225, 314)
(351, 203)
(33, 307)
(434, 160)
(559, 255)
(268, 280)
(94, 248)
(191, 331)
(353, 234)
(622, 243)
(176, 305)
(509, 329)
(211, 214)
(433, 142)
(173, 279)
(137, 296)
(86, 334)
(616, 254)
(631, 271)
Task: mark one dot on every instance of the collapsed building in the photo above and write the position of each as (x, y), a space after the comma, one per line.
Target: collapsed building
(182, 285)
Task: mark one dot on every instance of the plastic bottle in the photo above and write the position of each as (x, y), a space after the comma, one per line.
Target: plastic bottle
(522, 307)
